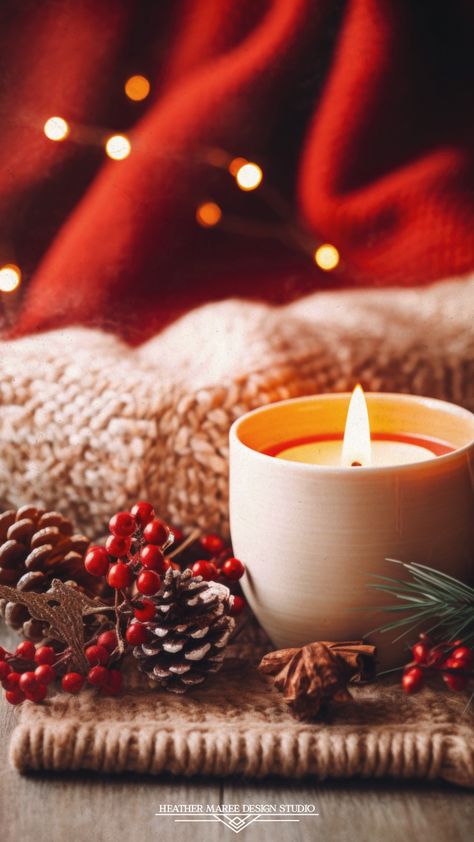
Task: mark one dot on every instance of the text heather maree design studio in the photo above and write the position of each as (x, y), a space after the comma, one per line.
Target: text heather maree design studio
(236, 817)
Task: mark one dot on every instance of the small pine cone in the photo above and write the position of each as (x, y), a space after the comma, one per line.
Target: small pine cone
(188, 634)
(35, 547)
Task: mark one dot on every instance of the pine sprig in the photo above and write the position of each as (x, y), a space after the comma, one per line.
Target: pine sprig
(432, 600)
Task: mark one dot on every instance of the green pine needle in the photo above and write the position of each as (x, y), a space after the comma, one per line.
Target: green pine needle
(431, 601)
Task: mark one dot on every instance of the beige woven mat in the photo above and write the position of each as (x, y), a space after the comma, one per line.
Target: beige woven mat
(240, 725)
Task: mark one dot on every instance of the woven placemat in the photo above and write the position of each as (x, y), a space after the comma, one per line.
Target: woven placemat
(239, 724)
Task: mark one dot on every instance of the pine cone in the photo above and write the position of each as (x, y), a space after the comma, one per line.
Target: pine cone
(188, 633)
(35, 547)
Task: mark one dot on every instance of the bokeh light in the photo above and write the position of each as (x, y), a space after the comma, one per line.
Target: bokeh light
(326, 257)
(249, 176)
(118, 147)
(208, 214)
(10, 277)
(236, 164)
(137, 88)
(56, 128)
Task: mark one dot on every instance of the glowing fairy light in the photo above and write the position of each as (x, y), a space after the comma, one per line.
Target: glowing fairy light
(249, 176)
(326, 257)
(118, 147)
(208, 214)
(137, 88)
(10, 277)
(56, 128)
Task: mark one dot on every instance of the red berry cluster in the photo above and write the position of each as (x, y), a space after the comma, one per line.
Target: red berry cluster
(220, 564)
(453, 661)
(28, 672)
(133, 552)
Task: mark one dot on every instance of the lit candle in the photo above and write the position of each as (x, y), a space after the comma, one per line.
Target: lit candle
(356, 447)
(319, 500)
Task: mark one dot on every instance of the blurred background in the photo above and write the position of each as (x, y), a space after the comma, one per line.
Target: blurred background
(158, 155)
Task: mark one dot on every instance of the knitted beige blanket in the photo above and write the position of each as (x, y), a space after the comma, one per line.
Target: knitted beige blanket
(88, 425)
(239, 724)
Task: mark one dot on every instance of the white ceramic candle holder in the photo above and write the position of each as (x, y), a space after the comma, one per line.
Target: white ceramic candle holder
(313, 536)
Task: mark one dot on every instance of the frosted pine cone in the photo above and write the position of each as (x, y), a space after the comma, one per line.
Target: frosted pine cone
(188, 634)
(35, 547)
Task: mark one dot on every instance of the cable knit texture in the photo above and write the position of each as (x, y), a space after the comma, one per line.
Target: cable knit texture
(88, 425)
(239, 724)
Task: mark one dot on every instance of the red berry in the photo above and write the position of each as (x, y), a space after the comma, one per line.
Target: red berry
(113, 685)
(119, 576)
(108, 640)
(117, 547)
(136, 634)
(3, 652)
(31, 687)
(5, 669)
(72, 682)
(28, 682)
(12, 680)
(204, 568)
(237, 605)
(122, 525)
(156, 532)
(463, 653)
(37, 693)
(152, 557)
(45, 674)
(148, 582)
(420, 652)
(26, 650)
(97, 676)
(45, 655)
(96, 561)
(143, 512)
(455, 682)
(233, 569)
(145, 610)
(97, 655)
(213, 544)
(15, 697)
(412, 680)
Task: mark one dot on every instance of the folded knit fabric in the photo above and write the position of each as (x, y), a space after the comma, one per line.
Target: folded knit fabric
(88, 424)
(238, 724)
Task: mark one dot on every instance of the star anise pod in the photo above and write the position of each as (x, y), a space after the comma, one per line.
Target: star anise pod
(316, 674)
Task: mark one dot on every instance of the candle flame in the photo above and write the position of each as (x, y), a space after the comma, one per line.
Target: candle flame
(356, 450)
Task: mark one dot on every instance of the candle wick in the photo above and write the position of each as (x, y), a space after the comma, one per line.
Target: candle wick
(356, 464)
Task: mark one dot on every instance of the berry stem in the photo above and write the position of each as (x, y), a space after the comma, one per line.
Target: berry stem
(118, 631)
(185, 544)
(126, 601)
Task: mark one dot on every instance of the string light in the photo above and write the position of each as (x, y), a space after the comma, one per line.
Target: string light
(208, 214)
(118, 147)
(10, 277)
(137, 88)
(56, 128)
(249, 176)
(326, 257)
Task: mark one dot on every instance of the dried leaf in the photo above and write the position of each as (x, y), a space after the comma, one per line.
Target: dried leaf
(63, 608)
(316, 674)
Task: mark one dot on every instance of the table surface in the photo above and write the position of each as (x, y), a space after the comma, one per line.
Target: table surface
(83, 807)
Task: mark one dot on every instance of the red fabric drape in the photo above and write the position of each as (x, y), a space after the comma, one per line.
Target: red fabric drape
(360, 113)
